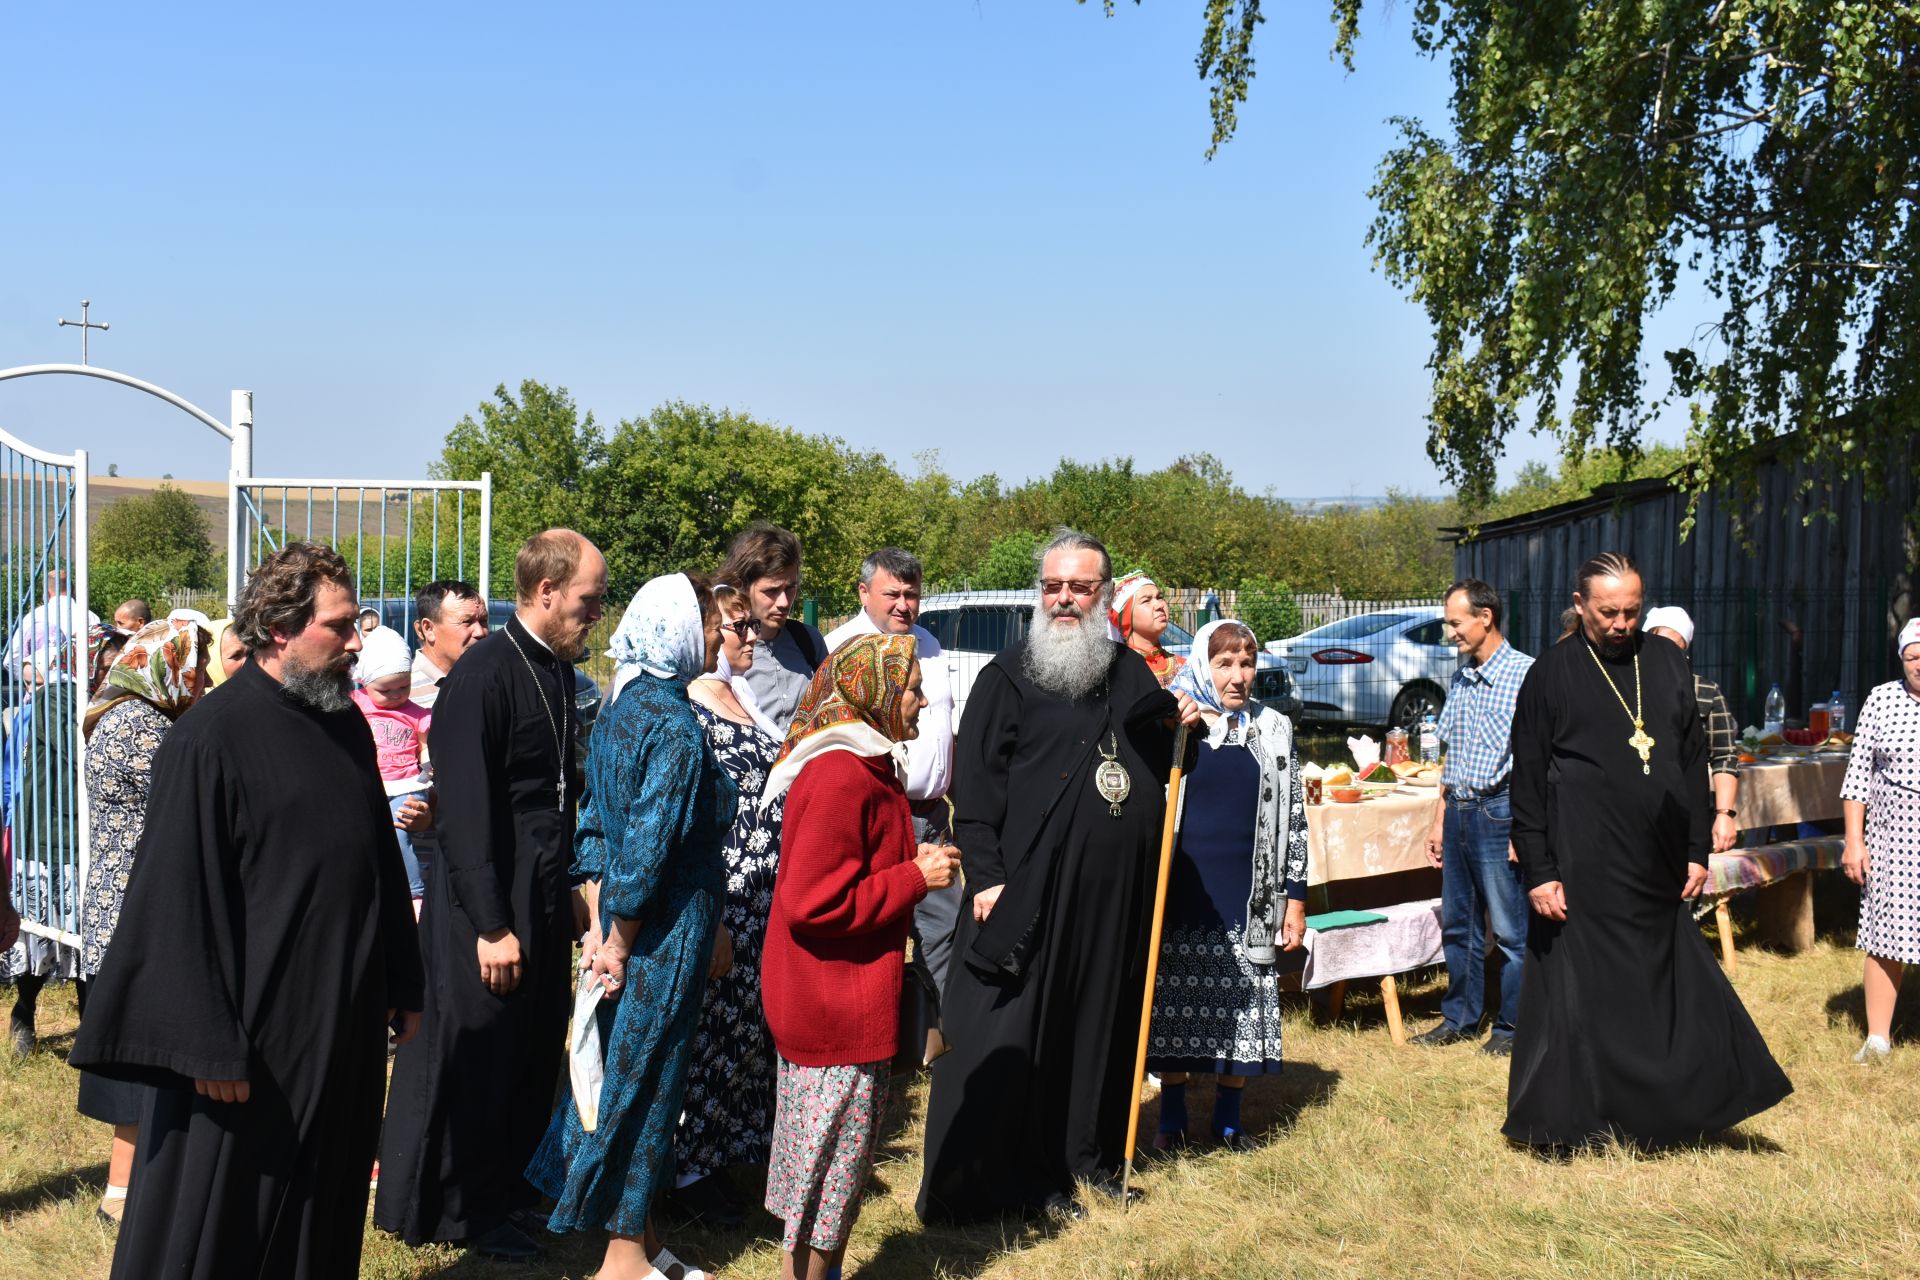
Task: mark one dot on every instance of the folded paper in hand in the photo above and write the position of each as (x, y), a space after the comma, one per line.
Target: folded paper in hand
(586, 1063)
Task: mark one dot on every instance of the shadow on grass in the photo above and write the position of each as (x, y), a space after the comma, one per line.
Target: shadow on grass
(1735, 1139)
(1849, 1008)
(932, 1253)
(54, 1186)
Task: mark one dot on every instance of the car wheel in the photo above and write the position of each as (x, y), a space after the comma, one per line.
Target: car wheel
(1415, 703)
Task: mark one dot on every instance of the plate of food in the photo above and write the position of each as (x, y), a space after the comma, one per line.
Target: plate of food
(1417, 773)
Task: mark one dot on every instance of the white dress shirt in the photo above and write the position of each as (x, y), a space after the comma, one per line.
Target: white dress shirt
(929, 756)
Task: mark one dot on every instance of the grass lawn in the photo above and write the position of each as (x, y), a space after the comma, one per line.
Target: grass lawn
(1380, 1162)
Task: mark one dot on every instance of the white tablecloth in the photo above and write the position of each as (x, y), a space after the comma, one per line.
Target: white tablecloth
(1408, 938)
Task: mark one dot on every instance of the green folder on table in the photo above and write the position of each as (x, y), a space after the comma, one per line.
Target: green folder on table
(1342, 920)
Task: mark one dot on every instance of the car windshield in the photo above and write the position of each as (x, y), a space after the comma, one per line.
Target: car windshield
(1357, 627)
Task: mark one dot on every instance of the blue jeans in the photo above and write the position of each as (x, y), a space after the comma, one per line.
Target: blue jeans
(1477, 883)
(416, 880)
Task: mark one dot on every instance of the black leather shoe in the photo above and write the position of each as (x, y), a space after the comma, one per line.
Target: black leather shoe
(506, 1242)
(1442, 1036)
(706, 1202)
(1065, 1208)
(1236, 1140)
(1498, 1047)
(1110, 1188)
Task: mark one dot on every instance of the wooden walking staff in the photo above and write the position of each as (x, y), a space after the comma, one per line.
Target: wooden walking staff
(1168, 831)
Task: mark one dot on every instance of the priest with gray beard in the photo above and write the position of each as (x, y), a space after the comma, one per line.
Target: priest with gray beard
(1060, 772)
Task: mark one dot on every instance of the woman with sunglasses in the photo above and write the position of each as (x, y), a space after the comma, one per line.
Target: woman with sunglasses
(727, 1118)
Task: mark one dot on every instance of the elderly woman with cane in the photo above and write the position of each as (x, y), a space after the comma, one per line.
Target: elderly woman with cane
(850, 875)
(1881, 801)
(1237, 892)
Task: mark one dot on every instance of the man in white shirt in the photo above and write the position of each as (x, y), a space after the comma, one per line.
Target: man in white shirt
(890, 605)
(57, 624)
(449, 616)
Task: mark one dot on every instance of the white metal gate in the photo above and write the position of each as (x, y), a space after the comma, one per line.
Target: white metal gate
(43, 537)
(398, 535)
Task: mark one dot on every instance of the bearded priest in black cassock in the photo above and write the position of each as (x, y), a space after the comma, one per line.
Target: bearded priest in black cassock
(472, 1094)
(1060, 776)
(1628, 1029)
(265, 942)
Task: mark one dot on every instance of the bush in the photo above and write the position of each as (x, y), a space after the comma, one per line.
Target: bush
(1009, 562)
(163, 532)
(1269, 608)
(112, 582)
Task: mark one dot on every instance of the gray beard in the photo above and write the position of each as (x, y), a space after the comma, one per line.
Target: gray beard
(1067, 661)
(321, 690)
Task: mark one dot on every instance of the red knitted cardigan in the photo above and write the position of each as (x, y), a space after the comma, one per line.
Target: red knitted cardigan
(842, 903)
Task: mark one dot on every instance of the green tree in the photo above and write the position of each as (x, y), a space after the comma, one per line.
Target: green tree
(1596, 154)
(1008, 565)
(163, 532)
(543, 456)
(110, 583)
(1268, 607)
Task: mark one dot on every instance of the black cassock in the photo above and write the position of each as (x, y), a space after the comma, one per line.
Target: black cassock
(472, 1092)
(266, 932)
(1627, 1026)
(1043, 1010)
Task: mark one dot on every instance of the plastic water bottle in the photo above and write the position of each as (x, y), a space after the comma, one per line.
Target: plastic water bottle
(1836, 715)
(1776, 710)
(1429, 739)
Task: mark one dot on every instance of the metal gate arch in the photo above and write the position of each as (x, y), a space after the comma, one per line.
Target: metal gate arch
(44, 579)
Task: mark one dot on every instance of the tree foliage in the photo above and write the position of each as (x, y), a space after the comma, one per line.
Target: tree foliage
(1268, 607)
(111, 583)
(163, 533)
(1598, 154)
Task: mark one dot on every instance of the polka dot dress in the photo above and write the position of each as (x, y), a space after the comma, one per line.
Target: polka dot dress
(1884, 774)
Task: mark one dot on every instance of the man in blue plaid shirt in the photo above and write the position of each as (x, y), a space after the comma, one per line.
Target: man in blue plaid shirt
(1479, 880)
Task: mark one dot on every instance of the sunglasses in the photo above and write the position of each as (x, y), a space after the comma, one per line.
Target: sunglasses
(742, 628)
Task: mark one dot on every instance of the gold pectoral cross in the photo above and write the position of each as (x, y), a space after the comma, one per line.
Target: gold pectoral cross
(1642, 742)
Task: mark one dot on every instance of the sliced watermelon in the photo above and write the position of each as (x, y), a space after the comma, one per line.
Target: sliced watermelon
(1379, 773)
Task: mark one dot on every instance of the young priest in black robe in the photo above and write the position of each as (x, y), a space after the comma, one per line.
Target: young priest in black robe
(1060, 776)
(1628, 1029)
(472, 1095)
(265, 943)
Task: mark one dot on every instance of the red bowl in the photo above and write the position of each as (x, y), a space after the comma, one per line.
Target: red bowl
(1345, 795)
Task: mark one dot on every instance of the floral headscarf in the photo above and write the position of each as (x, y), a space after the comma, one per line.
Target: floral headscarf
(661, 633)
(157, 666)
(853, 704)
(1195, 678)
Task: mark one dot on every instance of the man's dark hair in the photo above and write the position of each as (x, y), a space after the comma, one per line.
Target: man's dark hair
(760, 550)
(280, 592)
(903, 565)
(429, 600)
(1480, 595)
(142, 611)
(1608, 564)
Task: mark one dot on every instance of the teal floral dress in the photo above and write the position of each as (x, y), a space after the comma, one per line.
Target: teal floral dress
(657, 808)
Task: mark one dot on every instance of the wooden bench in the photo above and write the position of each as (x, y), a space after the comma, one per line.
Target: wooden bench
(1781, 876)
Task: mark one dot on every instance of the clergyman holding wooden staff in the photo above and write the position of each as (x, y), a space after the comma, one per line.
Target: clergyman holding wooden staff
(1060, 772)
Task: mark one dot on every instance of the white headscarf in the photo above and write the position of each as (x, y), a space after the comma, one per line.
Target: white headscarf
(382, 653)
(723, 673)
(1195, 679)
(660, 633)
(1909, 634)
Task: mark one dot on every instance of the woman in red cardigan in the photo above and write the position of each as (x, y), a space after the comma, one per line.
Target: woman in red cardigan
(849, 877)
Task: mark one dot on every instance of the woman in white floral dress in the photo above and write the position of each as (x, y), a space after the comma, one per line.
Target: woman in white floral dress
(1881, 799)
(727, 1118)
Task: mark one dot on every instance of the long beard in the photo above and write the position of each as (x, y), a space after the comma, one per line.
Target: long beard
(1068, 661)
(562, 637)
(323, 689)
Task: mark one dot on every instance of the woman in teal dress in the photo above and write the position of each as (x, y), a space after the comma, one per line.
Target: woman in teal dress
(648, 853)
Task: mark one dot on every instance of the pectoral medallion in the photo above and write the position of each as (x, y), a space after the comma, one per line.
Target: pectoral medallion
(1110, 778)
(1642, 742)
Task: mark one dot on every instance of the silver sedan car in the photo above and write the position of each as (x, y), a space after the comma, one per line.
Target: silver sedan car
(1378, 669)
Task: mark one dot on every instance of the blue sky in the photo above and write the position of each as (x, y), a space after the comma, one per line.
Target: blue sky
(979, 226)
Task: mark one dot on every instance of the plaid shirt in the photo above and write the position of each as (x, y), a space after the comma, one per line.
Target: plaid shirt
(1477, 723)
(1723, 735)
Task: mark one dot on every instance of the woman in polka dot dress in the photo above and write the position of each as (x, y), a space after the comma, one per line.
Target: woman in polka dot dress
(1881, 797)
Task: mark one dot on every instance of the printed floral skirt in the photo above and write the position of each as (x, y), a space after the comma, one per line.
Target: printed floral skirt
(826, 1123)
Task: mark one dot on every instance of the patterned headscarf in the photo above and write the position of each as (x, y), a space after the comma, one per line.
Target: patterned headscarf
(1164, 665)
(156, 666)
(99, 636)
(661, 633)
(853, 704)
(1195, 679)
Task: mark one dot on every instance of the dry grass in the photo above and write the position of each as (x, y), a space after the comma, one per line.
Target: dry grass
(1382, 1162)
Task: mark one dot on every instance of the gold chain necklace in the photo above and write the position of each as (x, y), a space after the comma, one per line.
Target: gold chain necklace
(1641, 741)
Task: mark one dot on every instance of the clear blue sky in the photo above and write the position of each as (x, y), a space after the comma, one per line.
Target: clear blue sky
(981, 226)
